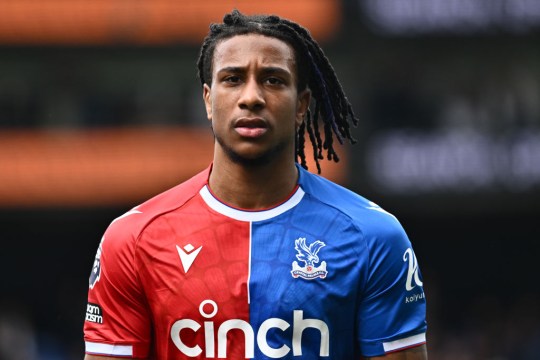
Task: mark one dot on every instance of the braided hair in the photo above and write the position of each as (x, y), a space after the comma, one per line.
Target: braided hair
(314, 71)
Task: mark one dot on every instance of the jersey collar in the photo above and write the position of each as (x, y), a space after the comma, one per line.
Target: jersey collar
(245, 215)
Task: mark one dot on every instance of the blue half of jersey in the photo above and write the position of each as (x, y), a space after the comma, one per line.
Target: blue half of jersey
(371, 297)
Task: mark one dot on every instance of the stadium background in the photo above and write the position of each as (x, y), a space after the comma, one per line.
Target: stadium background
(100, 109)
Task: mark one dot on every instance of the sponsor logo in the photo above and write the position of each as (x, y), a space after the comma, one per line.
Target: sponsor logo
(94, 313)
(412, 273)
(96, 268)
(414, 298)
(308, 255)
(188, 254)
(413, 277)
(182, 328)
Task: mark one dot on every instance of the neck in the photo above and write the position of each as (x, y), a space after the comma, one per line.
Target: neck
(253, 187)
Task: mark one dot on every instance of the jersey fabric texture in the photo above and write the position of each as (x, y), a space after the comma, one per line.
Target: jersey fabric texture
(324, 275)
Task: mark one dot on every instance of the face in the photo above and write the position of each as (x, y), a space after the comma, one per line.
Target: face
(253, 103)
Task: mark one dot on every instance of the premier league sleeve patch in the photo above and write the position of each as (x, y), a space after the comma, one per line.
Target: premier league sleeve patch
(96, 268)
(94, 313)
(308, 255)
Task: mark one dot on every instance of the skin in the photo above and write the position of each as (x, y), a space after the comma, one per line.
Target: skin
(254, 84)
(255, 108)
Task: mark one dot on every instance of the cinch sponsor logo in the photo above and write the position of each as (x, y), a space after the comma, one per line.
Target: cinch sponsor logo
(94, 313)
(250, 335)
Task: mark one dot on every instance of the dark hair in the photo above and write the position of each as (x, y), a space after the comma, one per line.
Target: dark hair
(314, 71)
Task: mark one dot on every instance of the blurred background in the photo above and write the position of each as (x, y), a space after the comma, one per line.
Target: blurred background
(100, 109)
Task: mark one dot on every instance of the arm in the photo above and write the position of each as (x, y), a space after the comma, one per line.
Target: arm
(94, 357)
(117, 322)
(416, 353)
(392, 314)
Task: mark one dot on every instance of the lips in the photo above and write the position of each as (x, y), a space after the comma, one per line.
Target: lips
(251, 127)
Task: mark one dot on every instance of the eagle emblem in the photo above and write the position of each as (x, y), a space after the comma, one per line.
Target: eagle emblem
(308, 254)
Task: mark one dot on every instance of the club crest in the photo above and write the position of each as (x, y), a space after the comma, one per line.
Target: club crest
(308, 255)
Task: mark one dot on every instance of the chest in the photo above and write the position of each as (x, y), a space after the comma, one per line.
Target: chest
(241, 279)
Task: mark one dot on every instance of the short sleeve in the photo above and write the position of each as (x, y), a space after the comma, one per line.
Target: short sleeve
(117, 319)
(392, 313)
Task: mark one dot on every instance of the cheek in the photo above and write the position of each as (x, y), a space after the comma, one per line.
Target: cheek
(292, 110)
(220, 104)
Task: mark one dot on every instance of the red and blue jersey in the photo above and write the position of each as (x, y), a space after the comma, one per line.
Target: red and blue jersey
(324, 275)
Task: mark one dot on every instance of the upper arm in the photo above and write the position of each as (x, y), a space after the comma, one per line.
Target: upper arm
(392, 312)
(117, 318)
(416, 353)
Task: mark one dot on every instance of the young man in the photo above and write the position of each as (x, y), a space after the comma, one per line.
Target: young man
(255, 257)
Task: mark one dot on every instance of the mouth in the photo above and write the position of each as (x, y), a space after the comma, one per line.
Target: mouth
(251, 127)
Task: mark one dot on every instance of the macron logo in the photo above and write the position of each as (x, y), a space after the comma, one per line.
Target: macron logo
(187, 255)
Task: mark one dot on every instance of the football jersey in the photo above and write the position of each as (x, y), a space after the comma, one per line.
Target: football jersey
(324, 275)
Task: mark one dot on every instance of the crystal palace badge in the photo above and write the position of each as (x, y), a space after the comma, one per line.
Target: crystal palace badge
(308, 255)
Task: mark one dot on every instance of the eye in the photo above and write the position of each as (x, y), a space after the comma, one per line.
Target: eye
(274, 81)
(233, 79)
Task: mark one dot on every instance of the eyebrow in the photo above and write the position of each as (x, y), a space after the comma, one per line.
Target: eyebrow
(266, 70)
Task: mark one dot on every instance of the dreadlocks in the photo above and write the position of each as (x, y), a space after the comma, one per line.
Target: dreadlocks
(314, 71)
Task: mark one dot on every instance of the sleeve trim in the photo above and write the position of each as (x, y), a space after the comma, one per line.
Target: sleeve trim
(404, 343)
(108, 349)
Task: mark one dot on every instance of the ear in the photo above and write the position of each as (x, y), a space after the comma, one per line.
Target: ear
(304, 98)
(207, 101)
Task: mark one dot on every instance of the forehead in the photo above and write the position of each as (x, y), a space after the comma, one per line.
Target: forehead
(240, 50)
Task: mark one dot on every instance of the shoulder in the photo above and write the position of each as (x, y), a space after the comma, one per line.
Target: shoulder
(365, 214)
(128, 226)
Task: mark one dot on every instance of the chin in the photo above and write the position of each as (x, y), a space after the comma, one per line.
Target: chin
(258, 160)
(253, 158)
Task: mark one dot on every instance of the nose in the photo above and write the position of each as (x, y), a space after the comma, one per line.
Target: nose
(252, 96)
